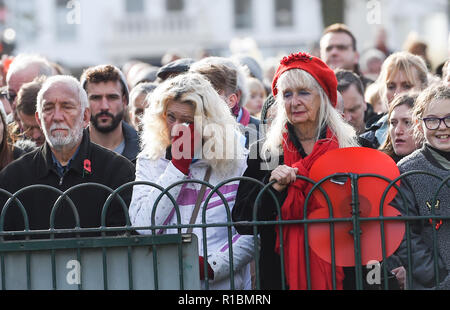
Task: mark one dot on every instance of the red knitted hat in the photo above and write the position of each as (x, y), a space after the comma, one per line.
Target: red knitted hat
(314, 66)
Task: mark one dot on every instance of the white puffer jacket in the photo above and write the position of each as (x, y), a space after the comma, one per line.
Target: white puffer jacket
(164, 173)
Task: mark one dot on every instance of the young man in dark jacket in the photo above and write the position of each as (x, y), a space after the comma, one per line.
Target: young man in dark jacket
(67, 159)
(108, 97)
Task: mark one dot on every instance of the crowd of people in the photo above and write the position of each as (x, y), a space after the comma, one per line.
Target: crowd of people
(220, 118)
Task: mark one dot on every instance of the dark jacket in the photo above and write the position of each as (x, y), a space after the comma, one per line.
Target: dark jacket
(419, 191)
(131, 142)
(257, 168)
(38, 167)
(131, 138)
(370, 117)
(269, 260)
(375, 136)
(17, 152)
(250, 132)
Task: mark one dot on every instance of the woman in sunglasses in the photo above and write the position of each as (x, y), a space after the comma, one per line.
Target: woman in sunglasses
(427, 193)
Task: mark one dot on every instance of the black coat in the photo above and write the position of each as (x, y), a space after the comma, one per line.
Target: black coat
(37, 167)
(270, 263)
(131, 138)
(257, 168)
(269, 260)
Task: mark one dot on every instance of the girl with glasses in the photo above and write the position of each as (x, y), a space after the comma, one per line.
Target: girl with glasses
(427, 193)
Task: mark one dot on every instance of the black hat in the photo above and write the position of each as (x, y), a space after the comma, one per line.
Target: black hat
(176, 66)
(252, 65)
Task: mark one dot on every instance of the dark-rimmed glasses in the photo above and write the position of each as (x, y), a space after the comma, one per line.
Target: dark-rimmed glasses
(433, 123)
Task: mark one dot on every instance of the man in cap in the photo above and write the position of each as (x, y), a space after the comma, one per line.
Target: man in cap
(174, 68)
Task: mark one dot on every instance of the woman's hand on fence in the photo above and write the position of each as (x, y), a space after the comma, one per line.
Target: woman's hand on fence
(284, 175)
(400, 274)
(201, 262)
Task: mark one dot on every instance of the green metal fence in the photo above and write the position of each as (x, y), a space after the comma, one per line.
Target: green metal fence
(170, 261)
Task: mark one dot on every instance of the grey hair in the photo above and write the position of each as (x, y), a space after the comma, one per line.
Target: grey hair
(67, 80)
(23, 61)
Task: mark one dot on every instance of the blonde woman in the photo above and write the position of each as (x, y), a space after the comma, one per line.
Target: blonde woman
(401, 72)
(186, 118)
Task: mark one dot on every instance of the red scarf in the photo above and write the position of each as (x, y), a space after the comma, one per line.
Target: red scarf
(245, 118)
(293, 234)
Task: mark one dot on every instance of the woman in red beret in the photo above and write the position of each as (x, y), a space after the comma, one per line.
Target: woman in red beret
(306, 126)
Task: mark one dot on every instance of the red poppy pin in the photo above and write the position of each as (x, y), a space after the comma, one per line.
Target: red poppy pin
(87, 169)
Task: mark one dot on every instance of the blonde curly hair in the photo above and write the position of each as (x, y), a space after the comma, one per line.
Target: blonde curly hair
(221, 138)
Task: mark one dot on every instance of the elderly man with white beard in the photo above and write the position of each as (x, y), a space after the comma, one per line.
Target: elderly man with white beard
(68, 158)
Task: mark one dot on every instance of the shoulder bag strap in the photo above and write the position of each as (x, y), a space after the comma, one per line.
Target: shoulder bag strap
(199, 199)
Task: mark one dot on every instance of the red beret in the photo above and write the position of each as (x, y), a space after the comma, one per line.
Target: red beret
(314, 66)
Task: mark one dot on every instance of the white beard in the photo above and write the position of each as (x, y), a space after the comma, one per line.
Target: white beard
(58, 141)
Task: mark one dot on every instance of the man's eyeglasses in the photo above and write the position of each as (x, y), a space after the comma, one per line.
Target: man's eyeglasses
(433, 123)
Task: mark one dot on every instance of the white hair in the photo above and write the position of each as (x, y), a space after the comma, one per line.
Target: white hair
(76, 132)
(23, 61)
(328, 116)
(67, 80)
